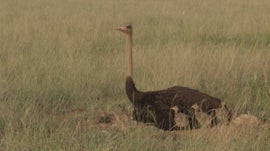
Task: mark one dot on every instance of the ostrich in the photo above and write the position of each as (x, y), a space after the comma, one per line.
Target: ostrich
(180, 119)
(154, 106)
(204, 119)
(247, 120)
(223, 114)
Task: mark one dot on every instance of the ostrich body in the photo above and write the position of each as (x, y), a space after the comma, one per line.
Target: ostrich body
(247, 120)
(154, 106)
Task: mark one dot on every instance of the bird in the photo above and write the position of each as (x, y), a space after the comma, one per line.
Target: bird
(223, 114)
(247, 120)
(180, 119)
(204, 119)
(155, 106)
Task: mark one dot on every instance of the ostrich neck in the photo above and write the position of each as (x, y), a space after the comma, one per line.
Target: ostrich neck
(129, 55)
(132, 93)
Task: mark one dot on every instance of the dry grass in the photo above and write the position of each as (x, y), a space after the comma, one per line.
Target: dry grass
(60, 56)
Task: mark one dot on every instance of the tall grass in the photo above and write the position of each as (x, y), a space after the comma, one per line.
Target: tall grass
(58, 55)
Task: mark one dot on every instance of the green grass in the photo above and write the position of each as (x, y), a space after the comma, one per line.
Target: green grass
(57, 56)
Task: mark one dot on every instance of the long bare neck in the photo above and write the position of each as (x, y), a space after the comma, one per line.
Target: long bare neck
(129, 55)
(133, 94)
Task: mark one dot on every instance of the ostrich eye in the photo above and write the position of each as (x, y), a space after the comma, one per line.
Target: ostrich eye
(129, 26)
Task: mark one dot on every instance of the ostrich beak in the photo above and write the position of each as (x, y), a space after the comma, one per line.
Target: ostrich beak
(121, 28)
(118, 28)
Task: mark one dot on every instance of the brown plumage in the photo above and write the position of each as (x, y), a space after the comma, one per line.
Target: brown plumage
(223, 114)
(180, 119)
(154, 106)
(205, 120)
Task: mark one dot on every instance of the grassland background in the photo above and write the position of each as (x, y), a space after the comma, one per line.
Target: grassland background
(60, 55)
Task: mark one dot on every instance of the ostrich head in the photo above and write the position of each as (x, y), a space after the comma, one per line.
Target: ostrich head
(196, 107)
(223, 105)
(175, 109)
(127, 29)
